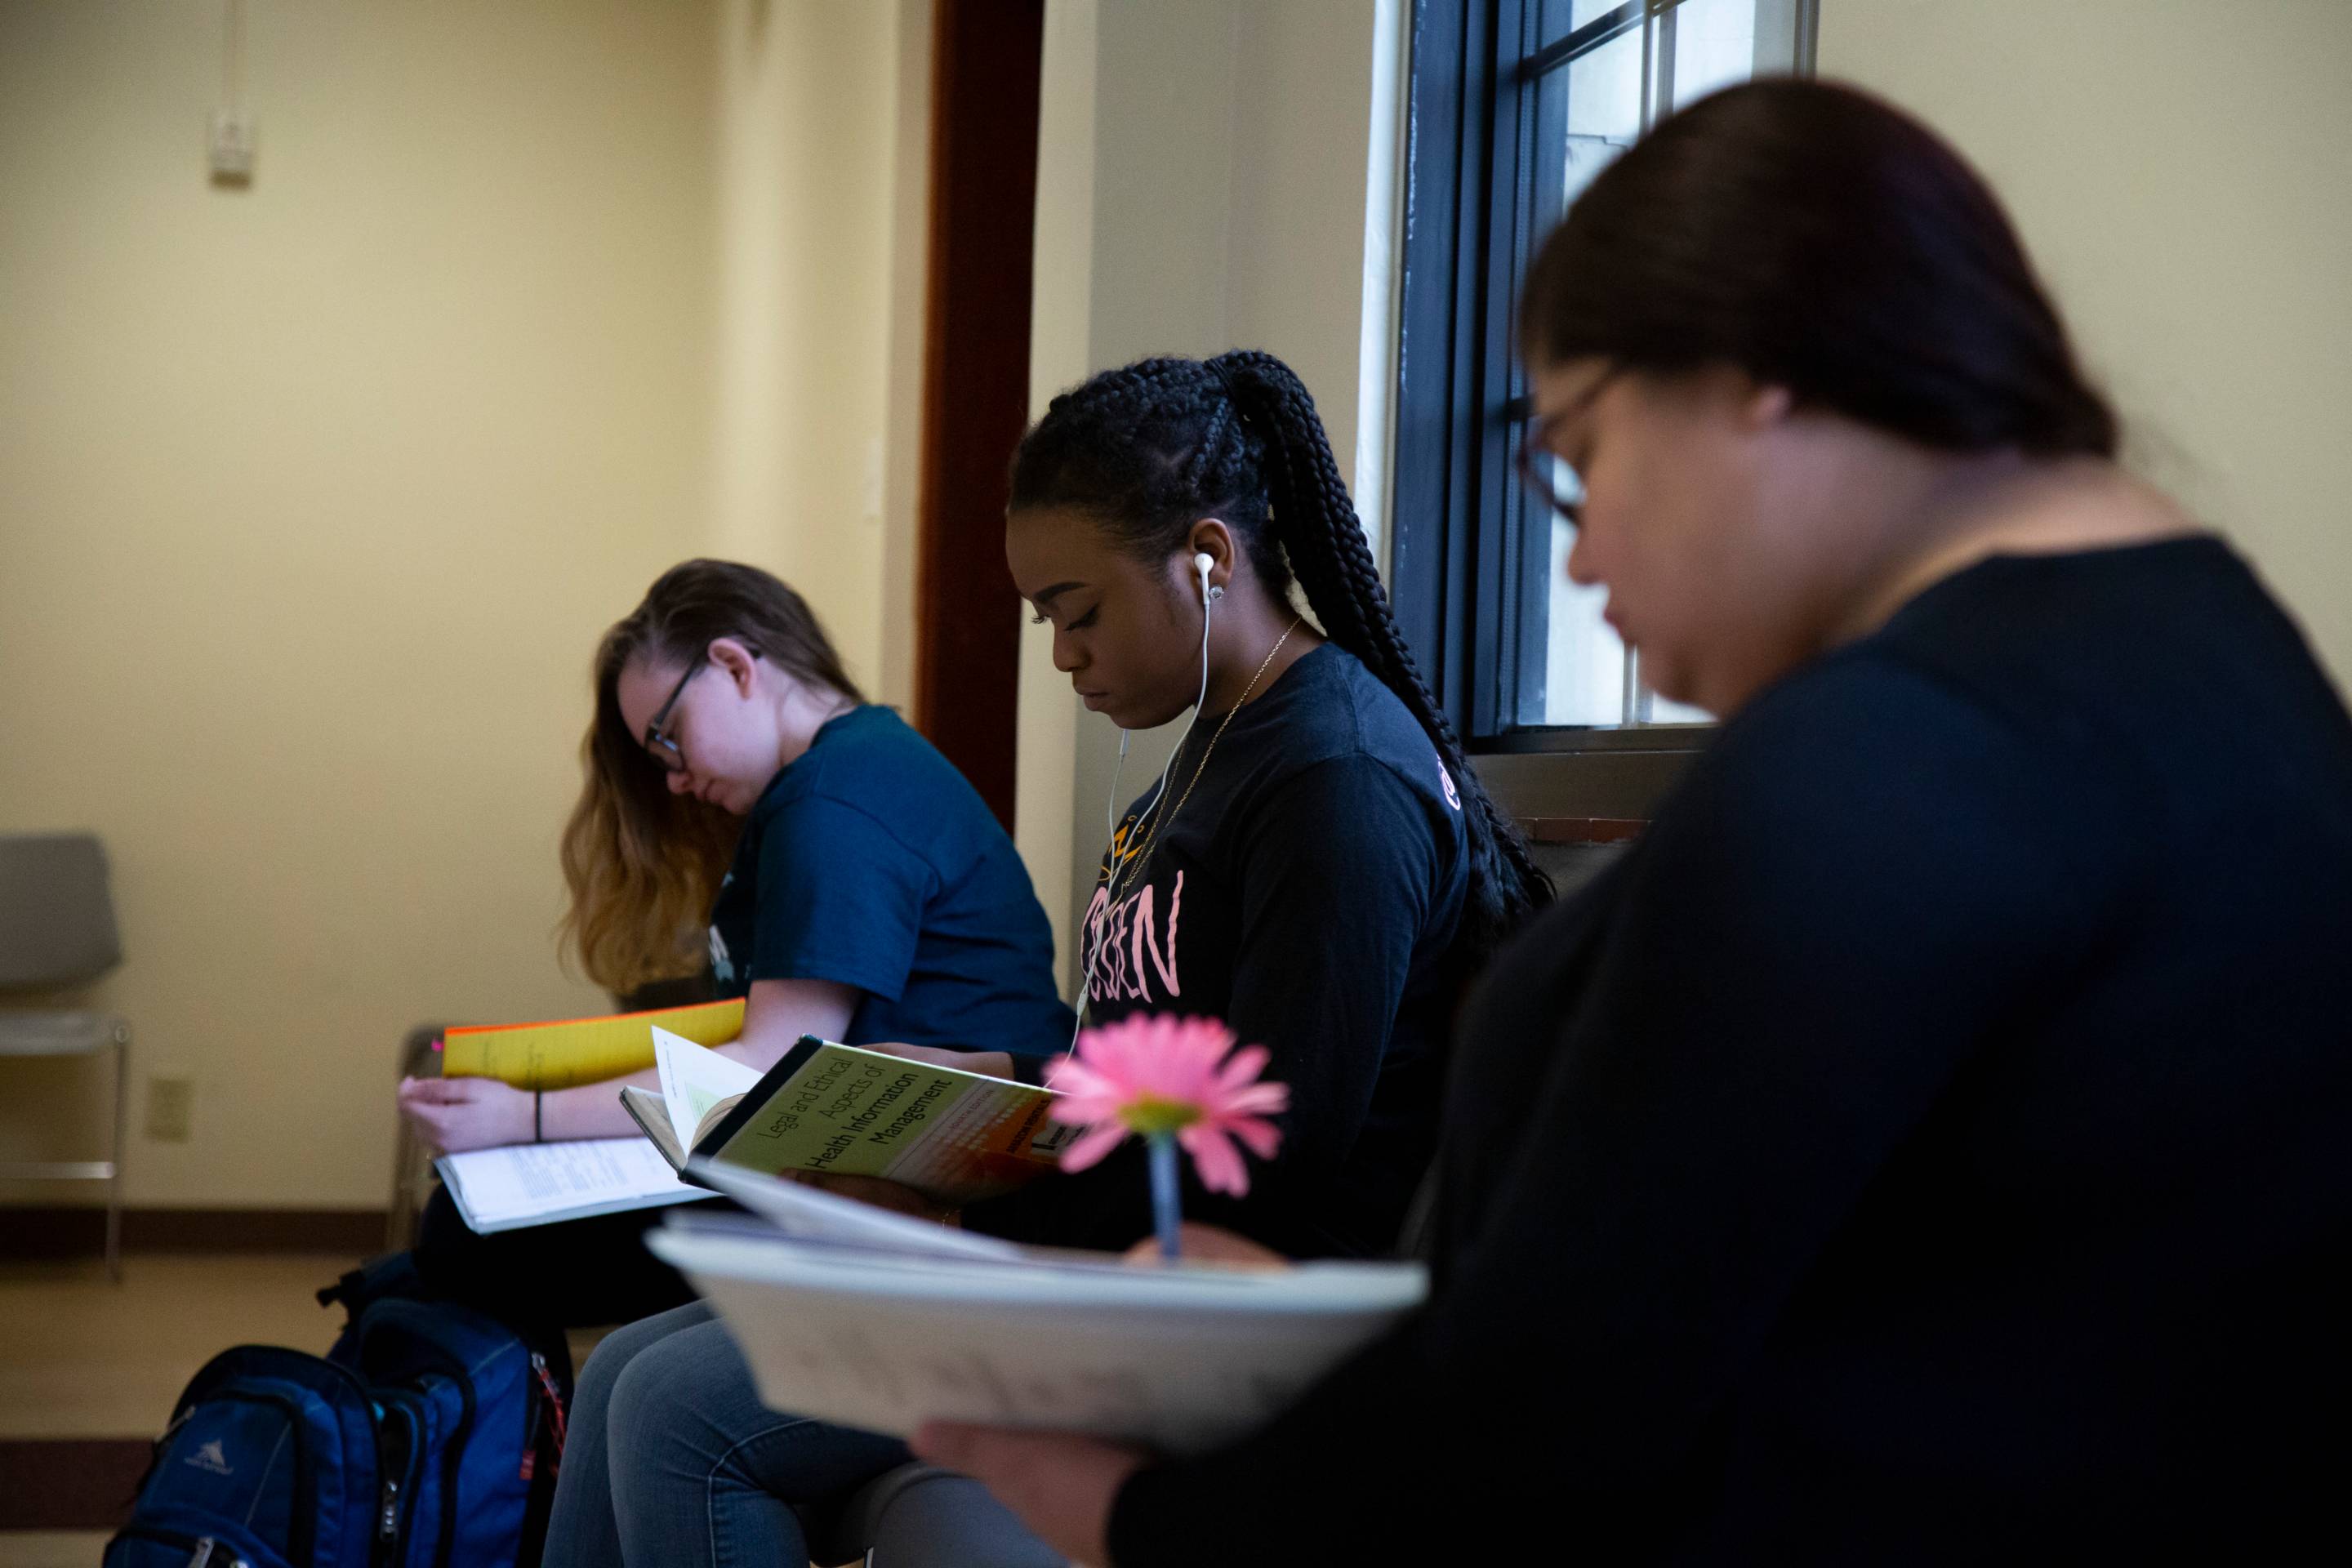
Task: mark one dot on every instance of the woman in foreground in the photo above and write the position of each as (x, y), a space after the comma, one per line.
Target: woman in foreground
(1928, 1144)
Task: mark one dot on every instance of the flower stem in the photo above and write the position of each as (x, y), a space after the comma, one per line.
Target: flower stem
(1167, 1213)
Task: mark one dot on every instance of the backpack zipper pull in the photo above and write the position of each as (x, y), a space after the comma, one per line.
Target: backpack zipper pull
(547, 1390)
(388, 1526)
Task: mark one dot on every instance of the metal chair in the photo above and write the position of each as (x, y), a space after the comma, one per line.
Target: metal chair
(411, 1162)
(57, 933)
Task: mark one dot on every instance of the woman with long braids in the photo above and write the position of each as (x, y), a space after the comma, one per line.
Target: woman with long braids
(1929, 1145)
(1304, 829)
(1318, 867)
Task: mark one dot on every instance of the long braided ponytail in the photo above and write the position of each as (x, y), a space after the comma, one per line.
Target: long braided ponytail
(1151, 448)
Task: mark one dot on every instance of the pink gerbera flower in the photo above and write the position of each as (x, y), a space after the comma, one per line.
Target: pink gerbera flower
(1166, 1076)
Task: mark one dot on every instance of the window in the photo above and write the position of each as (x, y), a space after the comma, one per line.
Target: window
(1514, 106)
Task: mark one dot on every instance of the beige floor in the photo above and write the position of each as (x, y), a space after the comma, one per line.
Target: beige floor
(83, 1358)
(50, 1549)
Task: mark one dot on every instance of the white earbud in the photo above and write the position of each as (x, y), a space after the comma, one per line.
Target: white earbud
(1204, 563)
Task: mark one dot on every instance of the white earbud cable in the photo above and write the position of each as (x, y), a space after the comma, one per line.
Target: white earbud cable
(1202, 564)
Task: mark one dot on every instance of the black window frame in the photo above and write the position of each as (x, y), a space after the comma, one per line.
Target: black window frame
(1459, 515)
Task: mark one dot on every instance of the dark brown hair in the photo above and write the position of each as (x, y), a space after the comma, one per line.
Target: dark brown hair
(643, 863)
(1148, 449)
(1825, 241)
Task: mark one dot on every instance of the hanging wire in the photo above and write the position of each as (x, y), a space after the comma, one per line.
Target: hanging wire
(233, 57)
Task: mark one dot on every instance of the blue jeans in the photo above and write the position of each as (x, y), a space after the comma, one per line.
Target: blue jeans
(673, 1459)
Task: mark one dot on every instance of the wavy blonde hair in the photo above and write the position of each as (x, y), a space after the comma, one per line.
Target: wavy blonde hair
(644, 863)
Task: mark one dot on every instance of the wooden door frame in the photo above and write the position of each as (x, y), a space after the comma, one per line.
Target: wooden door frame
(983, 193)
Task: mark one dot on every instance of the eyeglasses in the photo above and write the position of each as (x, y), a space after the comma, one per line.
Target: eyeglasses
(1541, 468)
(663, 747)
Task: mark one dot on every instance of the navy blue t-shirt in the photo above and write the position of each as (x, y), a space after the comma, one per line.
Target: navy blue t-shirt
(871, 862)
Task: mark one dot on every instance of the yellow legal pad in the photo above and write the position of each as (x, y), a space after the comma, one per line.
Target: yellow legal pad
(580, 1050)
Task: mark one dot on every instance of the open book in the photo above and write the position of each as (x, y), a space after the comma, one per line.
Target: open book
(521, 1184)
(955, 1136)
(888, 1332)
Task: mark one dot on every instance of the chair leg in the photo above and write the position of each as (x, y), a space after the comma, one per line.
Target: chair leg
(114, 1180)
(400, 1220)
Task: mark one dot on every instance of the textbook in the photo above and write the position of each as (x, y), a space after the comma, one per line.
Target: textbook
(580, 1050)
(885, 1338)
(537, 1183)
(952, 1135)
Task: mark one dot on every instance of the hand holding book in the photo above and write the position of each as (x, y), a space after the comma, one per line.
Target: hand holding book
(951, 1134)
(988, 1064)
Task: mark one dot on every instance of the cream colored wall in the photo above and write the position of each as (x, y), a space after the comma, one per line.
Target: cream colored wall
(808, 122)
(2178, 170)
(909, 247)
(1205, 180)
(314, 497)
(1061, 352)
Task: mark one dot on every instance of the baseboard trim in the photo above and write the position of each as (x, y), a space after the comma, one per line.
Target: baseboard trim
(69, 1483)
(60, 1231)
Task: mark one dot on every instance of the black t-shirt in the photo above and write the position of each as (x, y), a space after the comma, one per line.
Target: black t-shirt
(870, 861)
(1306, 892)
(1929, 1145)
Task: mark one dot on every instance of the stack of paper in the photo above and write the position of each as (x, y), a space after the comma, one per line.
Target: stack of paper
(537, 1183)
(888, 1335)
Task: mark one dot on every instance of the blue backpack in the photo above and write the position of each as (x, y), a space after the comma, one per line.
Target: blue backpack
(428, 1437)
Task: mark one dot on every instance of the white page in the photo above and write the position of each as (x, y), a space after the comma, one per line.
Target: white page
(1182, 1359)
(534, 1184)
(694, 1078)
(807, 1211)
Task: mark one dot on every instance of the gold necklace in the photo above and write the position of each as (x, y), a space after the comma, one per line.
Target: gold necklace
(1135, 869)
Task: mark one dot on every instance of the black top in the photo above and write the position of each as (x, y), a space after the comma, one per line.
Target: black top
(871, 862)
(1933, 1144)
(1307, 893)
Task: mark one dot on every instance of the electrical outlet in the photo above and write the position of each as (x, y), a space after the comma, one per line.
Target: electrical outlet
(171, 1109)
(231, 146)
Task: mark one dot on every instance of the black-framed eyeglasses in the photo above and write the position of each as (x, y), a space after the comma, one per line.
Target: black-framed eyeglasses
(1541, 468)
(658, 739)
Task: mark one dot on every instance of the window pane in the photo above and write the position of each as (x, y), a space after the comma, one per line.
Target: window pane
(1587, 113)
(1562, 17)
(1573, 670)
(1584, 664)
(1715, 46)
(1656, 710)
(1572, 667)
